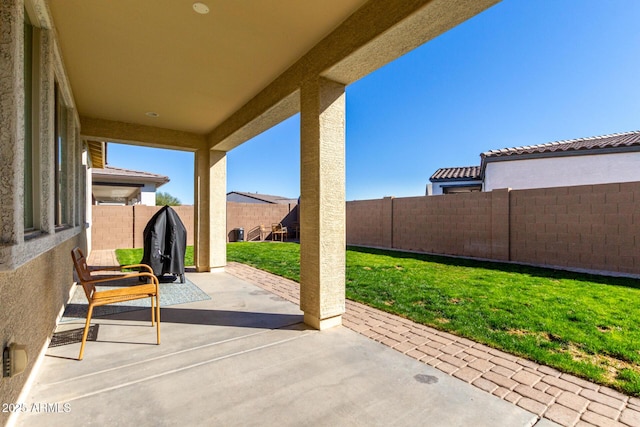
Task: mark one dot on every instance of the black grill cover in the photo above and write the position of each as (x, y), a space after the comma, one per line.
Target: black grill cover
(165, 242)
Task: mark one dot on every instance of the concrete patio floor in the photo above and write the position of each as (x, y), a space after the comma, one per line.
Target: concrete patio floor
(245, 358)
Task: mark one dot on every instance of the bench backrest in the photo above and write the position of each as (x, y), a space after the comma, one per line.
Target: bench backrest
(82, 270)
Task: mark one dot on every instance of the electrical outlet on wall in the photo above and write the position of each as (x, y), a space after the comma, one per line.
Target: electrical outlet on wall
(14, 360)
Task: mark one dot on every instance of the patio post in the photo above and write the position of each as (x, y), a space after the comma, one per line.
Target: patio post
(322, 203)
(210, 210)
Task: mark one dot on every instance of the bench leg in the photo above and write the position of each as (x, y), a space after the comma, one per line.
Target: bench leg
(86, 331)
(158, 316)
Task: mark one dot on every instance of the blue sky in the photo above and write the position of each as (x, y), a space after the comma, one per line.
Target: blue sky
(523, 72)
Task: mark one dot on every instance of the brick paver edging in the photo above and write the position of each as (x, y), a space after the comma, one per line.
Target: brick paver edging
(544, 391)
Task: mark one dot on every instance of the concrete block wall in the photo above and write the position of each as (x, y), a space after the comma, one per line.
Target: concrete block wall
(186, 215)
(250, 216)
(142, 214)
(121, 227)
(594, 227)
(449, 224)
(365, 223)
(500, 224)
(112, 227)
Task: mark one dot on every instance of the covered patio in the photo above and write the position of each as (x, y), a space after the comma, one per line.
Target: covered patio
(201, 91)
(245, 357)
(201, 77)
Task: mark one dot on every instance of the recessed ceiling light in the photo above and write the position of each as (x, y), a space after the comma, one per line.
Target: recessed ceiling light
(201, 8)
(152, 114)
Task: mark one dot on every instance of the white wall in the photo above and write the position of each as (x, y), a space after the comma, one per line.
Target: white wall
(562, 171)
(148, 195)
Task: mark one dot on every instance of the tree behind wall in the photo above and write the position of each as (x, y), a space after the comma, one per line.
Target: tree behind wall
(166, 199)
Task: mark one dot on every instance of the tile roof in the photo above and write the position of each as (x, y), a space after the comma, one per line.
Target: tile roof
(463, 173)
(113, 172)
(616, 140)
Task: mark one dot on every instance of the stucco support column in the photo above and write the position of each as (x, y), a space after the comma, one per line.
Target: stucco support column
(322, 203)
(218, 208)
(210, 210)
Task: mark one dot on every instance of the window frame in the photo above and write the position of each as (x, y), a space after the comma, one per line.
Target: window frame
(461, 189)
(61, 145)
(29, 50)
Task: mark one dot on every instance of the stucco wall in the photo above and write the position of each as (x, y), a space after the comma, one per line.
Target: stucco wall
(35, 262)
(562, 171)
(31, 298)
(148, 195)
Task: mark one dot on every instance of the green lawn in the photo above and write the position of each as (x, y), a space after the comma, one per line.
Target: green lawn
(133, 256)
(581, 324)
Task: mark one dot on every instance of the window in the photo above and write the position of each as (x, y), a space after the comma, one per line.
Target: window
(60, 190)
(461, 189)
(28, 125)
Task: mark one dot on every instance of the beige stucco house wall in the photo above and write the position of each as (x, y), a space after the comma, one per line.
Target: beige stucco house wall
(563, 171)
(42, 184)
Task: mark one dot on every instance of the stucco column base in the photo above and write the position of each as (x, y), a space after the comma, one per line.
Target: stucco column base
(322, 324)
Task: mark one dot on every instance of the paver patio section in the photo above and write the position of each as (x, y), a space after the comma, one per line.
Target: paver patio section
(544, 391)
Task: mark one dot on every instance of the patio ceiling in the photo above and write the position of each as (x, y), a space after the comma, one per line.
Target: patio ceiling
(218, 79)
(114, 194)
(126, 58)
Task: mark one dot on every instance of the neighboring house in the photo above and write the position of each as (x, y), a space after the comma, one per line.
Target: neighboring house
(463, 179)
(118, 186)
(241, 197)
(584, 161)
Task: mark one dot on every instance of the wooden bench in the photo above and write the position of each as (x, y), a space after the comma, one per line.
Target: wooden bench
(98, 298)
(278, 229)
